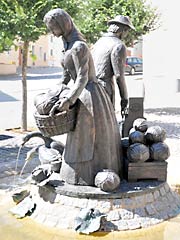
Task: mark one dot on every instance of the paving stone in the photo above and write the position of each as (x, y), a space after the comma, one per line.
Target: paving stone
(67, 222)
(163, 215)
(104, 206)
(165, 202)
(63, 200)
(174, 206)
(170, 197)
(145, 222)
(40, 218)
(59, 211)
(133, 224)
(62, 224)
(158, 217)
(174, 213)
(158, 206)
(92, 203)
(166, 187)
(51, 221)
(140, 212)
(47, 208)
(162, 191)
(176, 198)
(113, 215)
(128, 203)
(69, 201)
(126, 214)
(122, 225)
(178, 202)
(150, 209)
(149, 198)
(154, 220)
(80, 203)
(117, 203)
(140, 201)
(156, 194)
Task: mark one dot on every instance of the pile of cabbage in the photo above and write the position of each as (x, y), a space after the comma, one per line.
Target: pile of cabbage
(146, 143)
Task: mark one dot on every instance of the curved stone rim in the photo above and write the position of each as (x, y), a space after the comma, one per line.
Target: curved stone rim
(126, 190)
(123, 210)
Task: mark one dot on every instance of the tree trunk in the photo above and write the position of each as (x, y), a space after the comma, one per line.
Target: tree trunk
(24, 85)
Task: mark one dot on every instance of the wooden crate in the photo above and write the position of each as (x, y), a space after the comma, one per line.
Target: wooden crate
(147, 171)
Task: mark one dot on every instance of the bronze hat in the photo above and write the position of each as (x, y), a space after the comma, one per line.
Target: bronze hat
(125, 20)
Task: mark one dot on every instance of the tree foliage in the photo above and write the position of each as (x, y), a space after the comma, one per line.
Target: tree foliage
(23, 19)
(94, 14)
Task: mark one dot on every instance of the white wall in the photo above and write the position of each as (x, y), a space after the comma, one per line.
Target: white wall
(161, 53)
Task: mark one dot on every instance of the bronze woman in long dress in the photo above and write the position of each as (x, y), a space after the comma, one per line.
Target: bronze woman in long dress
(94, 145)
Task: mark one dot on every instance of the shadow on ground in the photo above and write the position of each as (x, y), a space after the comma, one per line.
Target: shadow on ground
(4, 97)
(4, 137)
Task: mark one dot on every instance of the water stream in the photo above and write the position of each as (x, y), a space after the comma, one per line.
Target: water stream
(16, 166)
(15, 229)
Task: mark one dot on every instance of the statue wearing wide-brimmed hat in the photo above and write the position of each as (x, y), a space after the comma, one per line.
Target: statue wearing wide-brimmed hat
(109, 55)
(120, 19)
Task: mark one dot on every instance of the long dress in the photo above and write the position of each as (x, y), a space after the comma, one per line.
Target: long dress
(95, 143)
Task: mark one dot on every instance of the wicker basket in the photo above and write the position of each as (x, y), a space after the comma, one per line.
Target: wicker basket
(60, 123)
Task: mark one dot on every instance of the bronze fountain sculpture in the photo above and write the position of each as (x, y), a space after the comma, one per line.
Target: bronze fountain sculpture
(90, 184)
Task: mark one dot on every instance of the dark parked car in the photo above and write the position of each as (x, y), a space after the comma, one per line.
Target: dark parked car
(133, 64)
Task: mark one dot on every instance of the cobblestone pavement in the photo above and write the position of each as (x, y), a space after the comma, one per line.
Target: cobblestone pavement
(10, 142)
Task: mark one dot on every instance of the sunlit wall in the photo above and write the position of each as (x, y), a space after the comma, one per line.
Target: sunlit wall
(161, 52)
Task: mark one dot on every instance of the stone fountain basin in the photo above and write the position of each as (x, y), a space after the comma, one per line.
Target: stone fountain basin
(131, 206)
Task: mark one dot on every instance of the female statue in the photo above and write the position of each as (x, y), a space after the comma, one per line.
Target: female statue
(94, 145)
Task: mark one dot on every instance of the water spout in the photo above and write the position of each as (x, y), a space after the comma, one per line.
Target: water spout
(29, 157)
(16, 166)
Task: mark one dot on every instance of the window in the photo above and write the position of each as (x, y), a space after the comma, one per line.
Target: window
(44, 57)
(129, 60)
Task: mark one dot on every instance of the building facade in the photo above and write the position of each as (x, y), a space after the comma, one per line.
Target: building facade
(44, 52)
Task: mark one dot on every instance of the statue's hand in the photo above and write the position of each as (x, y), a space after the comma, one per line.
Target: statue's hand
(53, 110)
(60, 106)
(64, 104)
(124, 103)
